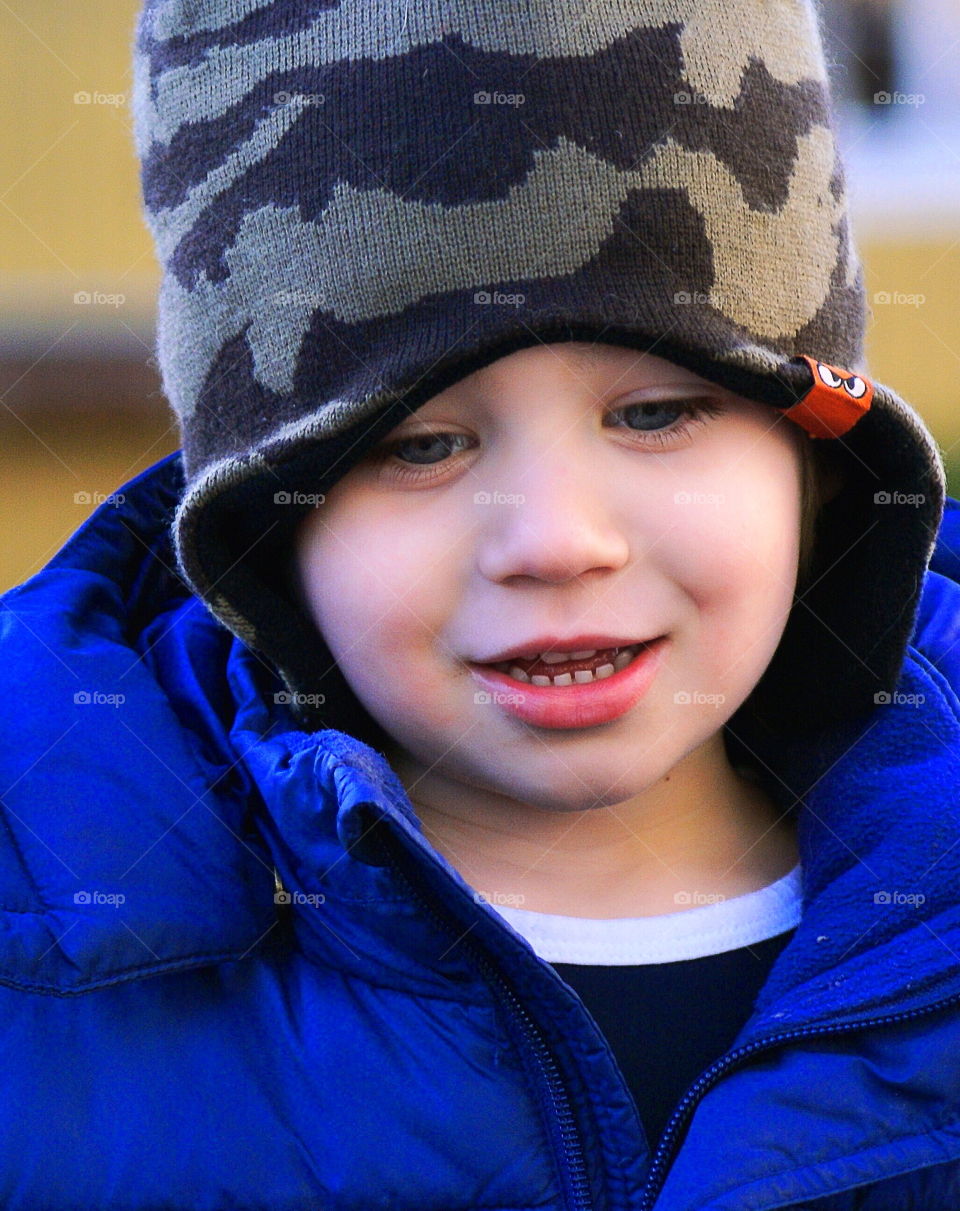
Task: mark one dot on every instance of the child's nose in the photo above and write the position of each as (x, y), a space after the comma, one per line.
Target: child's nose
(550, 525)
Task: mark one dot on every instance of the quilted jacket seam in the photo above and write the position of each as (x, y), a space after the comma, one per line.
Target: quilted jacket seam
(815, 1168)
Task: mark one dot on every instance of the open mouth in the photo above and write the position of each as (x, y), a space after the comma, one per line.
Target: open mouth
(573, 668)
(571, 689)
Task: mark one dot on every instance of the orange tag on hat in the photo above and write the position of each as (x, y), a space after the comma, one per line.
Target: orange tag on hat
(834, 403)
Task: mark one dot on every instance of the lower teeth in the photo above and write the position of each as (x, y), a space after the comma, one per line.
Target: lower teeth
(581, 676)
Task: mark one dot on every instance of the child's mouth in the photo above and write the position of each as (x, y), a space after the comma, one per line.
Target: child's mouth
(577, 668)
(578, 690)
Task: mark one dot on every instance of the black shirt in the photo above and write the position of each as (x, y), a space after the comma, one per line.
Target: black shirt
(666, 1023)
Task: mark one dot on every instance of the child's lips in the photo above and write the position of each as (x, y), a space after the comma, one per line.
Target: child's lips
(573, 706)
(521, 657)
(552, 669)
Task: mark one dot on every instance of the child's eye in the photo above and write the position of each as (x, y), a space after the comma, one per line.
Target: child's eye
(422, 444)
(660, 423)
(648, 415)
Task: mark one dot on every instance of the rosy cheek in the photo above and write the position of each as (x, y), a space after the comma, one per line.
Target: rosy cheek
(698, 544)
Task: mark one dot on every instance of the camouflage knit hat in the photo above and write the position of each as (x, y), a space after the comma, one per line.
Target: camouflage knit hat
(357, 204)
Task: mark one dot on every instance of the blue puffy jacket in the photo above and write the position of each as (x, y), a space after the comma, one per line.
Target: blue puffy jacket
(179, 1034)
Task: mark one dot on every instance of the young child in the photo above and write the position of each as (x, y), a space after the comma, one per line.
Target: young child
(508, 758)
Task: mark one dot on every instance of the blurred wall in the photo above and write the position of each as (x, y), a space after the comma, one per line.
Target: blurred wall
(82, 409)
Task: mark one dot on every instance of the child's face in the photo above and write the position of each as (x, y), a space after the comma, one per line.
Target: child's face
(558, 504)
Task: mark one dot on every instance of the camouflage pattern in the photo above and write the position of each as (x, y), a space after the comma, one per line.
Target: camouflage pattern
(355, 204)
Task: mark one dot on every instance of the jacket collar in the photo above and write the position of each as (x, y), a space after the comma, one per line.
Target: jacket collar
(185, 797)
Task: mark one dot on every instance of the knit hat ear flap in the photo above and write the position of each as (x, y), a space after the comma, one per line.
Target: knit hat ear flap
(356, 205)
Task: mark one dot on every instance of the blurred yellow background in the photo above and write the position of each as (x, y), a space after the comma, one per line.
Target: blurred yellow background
(82, 407)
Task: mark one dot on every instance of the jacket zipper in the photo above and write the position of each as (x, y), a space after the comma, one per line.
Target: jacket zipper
(578, 1187)
(660, 1164)
(577, 1193)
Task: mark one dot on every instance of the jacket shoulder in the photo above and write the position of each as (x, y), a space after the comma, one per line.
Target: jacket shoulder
(121, 784)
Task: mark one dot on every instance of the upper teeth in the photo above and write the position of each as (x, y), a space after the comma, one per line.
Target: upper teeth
(557, 657)
(619, 660)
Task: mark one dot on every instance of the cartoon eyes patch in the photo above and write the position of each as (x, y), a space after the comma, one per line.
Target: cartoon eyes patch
(833, 403)
(854, 385)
